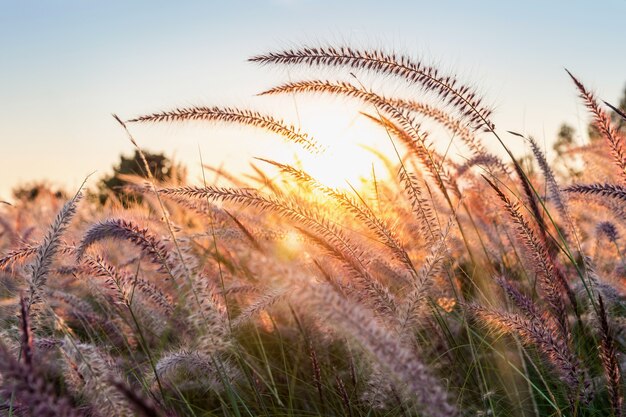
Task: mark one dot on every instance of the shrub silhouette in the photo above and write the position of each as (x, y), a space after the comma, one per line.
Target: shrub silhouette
(162, 169)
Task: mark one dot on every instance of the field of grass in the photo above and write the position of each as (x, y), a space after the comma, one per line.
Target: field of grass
(474, 286)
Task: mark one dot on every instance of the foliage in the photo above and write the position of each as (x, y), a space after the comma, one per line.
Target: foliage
(32, 191)
(161, 168)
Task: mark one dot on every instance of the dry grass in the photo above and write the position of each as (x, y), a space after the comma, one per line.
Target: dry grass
(456, 288)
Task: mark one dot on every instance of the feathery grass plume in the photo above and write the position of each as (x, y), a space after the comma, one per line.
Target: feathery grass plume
(82, 311)
(348, 90)
(139, 402)
(121, 286)
(361, 211)
(559, 200)
(414, 300)
(453, 125)
(243, 289)
(409, 131)
(233, 115)
(427, 157)
(26, 333)
(531, 198)
(264, 180)
(183, 367)
(28, 390)
(82, 306)
(245, 231)
(112, 278)
(456, 127)
(22, 253)
(422, 207)
(46, 344)
(547, 340)
(463, 98)
(484, 160)
(210, 317)
(48, 249)
(417, 147)
(524, 303)
(592, 276)
(263, 303)
(553, 188)
(602, 122)
(329, 277)
(610, 363)
(121, 289)
(317, 372)
(321, 231)
(343, 392)
(181, 259)
(11, 338)
(613, 191)
(149, 291)
(382, 344)
(380, 390)
(616, 207)
(609, 230)
(200, 207)
(619, 112)
(96, 368)
(597, 194)
(17, 255)
(368, 290)
(550, 282)
(121, 229)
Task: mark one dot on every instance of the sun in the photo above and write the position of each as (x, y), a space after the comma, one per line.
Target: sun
(347, 160)
(342, 166)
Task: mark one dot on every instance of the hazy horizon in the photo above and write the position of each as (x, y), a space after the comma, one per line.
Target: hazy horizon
(68, 65)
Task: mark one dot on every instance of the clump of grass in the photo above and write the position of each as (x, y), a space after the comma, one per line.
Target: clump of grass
(453, 288)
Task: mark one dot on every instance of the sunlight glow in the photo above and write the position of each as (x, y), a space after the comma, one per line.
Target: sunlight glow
(342, 165)
(292, 241)
(290, 245)
(346, 161)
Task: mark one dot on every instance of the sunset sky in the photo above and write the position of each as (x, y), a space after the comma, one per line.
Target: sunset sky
(65, 66)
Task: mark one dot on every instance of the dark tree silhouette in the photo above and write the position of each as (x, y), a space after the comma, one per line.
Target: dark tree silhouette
(161, 167)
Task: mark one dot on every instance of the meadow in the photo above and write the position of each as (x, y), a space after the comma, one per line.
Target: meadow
(474, 286)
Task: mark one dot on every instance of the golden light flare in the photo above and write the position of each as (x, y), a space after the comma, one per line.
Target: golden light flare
(290, 245)
(446, 303)
(292, 241)
(346, 161)
(341, 165)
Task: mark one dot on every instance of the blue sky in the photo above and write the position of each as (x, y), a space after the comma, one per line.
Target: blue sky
(65, 66)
